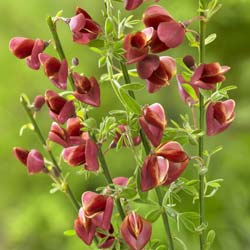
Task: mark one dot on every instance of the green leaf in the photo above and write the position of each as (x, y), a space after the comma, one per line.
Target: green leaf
(153, 215)
(70, 232)
(190, 90)
(210, 38)
(24, 127)
(90, 123)
(192, 39)
(128, 193)
(129, 102)
(133, 86)
(109, 26)
(96, 50)
(98, 43)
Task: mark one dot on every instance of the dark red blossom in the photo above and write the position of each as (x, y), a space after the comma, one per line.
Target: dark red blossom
(136, 45)
(87, 90)
(133, 4)
(72, 135)
(60, 109)
(219, 116)
(157, 71)
(153, 122)
(136, 231)
(206, 76)
(84, 154)
(168, 33)
(33, 160)
(83, 27)
(39, 101)
(164, 166)
(55, 70)
(27, 48)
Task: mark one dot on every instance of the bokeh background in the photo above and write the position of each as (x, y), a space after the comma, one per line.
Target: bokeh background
(30, 217)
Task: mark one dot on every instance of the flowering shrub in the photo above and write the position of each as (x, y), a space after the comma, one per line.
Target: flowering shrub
(138, 127)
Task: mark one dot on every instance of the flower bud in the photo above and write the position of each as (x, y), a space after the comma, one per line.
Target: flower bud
(39, 102)
(136, 231)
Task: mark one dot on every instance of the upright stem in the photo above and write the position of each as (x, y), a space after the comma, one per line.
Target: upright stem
(59, 48)
(67, 188)
(202, 29)
(109, 181)
(147, 151)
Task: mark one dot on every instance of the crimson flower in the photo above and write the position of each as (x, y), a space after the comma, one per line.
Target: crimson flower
(60, 109)
(84, 227)
(133, 4)
(157, 71)
(136, 231)
(55, 70)
(164, 166)
(83, 27)
(84, 154)
(206, 76)
(108, 242)
(72, 135)
(153, 122)
(22, 47)
(168, 33)
(87, 90)
(38, 103)
(136, 45)
(33, 160)
(219, 116)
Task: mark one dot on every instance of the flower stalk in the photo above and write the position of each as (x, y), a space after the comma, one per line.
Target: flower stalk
(202, 31)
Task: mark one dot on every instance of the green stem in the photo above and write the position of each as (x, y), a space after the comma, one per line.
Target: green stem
(202, 31)
(165, 220)
(59, 48)
(67, 190)
(147, 151)
(110, 181)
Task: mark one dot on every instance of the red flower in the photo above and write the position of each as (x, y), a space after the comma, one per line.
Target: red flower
(120, 181)
(33, 160)
(84, 227)
(219, 116)
(153, 122)
(109, 241)
(136, 231)
(157, 71)
(87, 90)
(84, 154)
(164, 166)
(136, 45)
(39, 101)
(98, 208)
(60, 109)
(70, 136)
(55, 70)
(27, 48)
(206, 76)
(168, 32)
(122, 130)
(83, 27)
(133, 4)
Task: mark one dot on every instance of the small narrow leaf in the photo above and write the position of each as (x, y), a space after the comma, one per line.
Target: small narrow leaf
(153, 215)
(70, 232)
(133, 86)
(210, 38)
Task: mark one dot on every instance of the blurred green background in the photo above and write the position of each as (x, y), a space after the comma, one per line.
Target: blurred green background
(31, 218)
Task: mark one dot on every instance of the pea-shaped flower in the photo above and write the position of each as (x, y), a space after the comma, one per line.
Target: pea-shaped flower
(136, 45)
(219, 116)
(83, 27)
(22, 47)
(206, 76)
(84, 154)
(136, 231)
(133, 4)
(60, 109)
(153, 122)
(87, 90)
(168, 32)
(157, 71)
(56, 71)
(33, 160)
